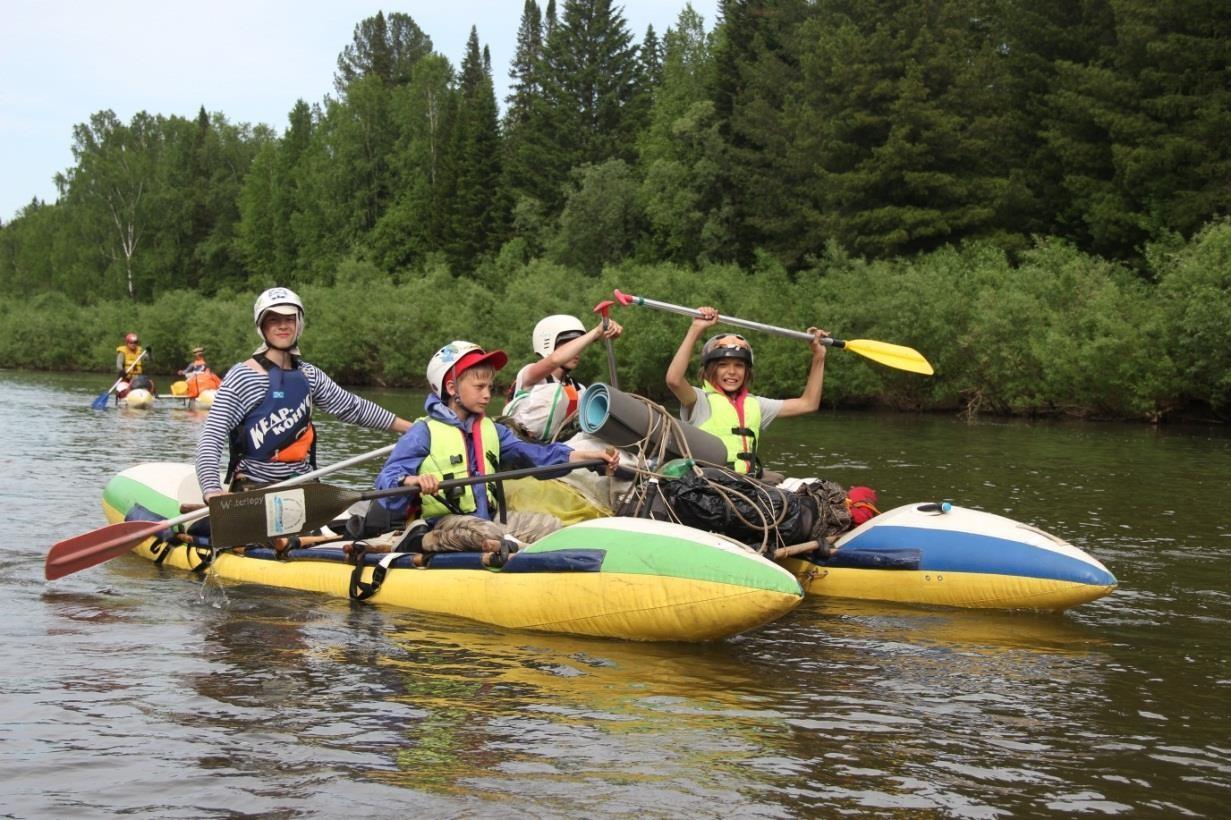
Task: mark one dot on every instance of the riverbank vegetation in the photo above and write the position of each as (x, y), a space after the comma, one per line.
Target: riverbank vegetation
(1056, 332)
(1031, 194)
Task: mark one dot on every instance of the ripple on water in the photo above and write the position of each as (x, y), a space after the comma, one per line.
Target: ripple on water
(268, 702)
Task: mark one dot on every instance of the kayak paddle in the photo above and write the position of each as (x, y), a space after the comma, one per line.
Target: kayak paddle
(100, 545)
(890, 355)
(100, 403)
(259, 515)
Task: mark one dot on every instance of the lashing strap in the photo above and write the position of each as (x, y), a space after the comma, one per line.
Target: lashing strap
(361, 590)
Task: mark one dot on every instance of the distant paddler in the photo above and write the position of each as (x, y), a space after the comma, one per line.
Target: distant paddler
(200, 383)
(133, 386)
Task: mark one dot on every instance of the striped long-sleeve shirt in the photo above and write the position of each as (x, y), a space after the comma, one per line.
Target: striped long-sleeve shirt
(243, 390)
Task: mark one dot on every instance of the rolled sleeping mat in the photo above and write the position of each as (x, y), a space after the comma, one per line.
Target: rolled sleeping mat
(620, 419)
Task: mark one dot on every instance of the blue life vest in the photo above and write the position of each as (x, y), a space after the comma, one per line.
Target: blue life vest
(280, 427)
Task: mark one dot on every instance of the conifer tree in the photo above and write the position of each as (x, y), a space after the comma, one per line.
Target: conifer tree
(909, 107)
(651, 56)
(520, 177)
(681, 149)
(757, 75)
(418, 222)
(1040, 36)
(1140, 129)
(592, 103)
(269, 200)
(476, 227)
(387, 48)
(525, 85)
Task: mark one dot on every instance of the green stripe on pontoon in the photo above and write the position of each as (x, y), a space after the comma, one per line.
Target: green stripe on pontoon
(122, 492)
(643, 553)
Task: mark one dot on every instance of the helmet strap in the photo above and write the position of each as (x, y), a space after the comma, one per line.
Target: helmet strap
(459, 409)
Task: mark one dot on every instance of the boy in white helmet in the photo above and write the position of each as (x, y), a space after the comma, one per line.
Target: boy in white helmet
(545, 394)
(457, 440)
(263, 409)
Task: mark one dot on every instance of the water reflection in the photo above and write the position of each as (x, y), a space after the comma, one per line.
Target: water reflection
(275, 703)
(548, 708)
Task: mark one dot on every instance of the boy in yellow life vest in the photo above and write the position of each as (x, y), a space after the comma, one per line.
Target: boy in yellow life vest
(722, 404)
(456, 439)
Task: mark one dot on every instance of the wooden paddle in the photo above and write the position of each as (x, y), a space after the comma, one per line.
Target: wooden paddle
(890, 355)
(100, 545)
(260, 515)
(100, 403)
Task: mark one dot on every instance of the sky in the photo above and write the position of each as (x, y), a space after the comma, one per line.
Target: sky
(61, 62)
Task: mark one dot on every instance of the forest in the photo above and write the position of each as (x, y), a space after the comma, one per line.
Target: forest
(1032, 194)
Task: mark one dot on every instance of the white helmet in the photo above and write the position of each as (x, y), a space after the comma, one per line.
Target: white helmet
(278, 300)
(548, 332)
(458, 356)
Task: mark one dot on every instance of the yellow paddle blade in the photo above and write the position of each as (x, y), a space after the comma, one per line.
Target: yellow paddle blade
(891, 355)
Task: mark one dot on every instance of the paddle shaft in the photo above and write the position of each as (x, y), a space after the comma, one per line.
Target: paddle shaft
(271, 512)
(800, 549)
(626, 299)
(604, 308)
(86, 550)
(890, 355)
(503, 475)
(291, 482)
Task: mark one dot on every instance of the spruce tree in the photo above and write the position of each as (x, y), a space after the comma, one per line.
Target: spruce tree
(1139, 130)
(476, 226)
(681, 150)
(419, 221)
(758, 75)
(523, 70)
(520, 178)
(592, 103)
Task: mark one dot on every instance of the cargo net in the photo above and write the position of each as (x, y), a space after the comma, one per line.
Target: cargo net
(795, 518)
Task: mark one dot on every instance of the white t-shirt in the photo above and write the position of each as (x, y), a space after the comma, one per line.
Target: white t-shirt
(700, 412)
(541, 408)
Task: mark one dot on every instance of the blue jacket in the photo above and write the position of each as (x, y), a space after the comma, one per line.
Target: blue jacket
(412, 448)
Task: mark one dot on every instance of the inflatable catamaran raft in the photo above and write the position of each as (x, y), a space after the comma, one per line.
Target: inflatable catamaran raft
(611, 577)
(923, 553)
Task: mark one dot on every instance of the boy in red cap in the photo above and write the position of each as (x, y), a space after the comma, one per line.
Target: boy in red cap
(456, 439)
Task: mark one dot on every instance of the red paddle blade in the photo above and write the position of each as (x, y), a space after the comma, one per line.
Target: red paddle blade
(94, 547)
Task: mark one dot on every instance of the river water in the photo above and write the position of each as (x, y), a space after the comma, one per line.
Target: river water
(131, 690)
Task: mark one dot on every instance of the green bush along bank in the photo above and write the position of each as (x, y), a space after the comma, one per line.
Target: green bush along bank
(1054, 331)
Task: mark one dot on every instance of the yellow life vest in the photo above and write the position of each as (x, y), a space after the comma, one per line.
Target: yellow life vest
(131, 356)
(446, 459)
(737, 423)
